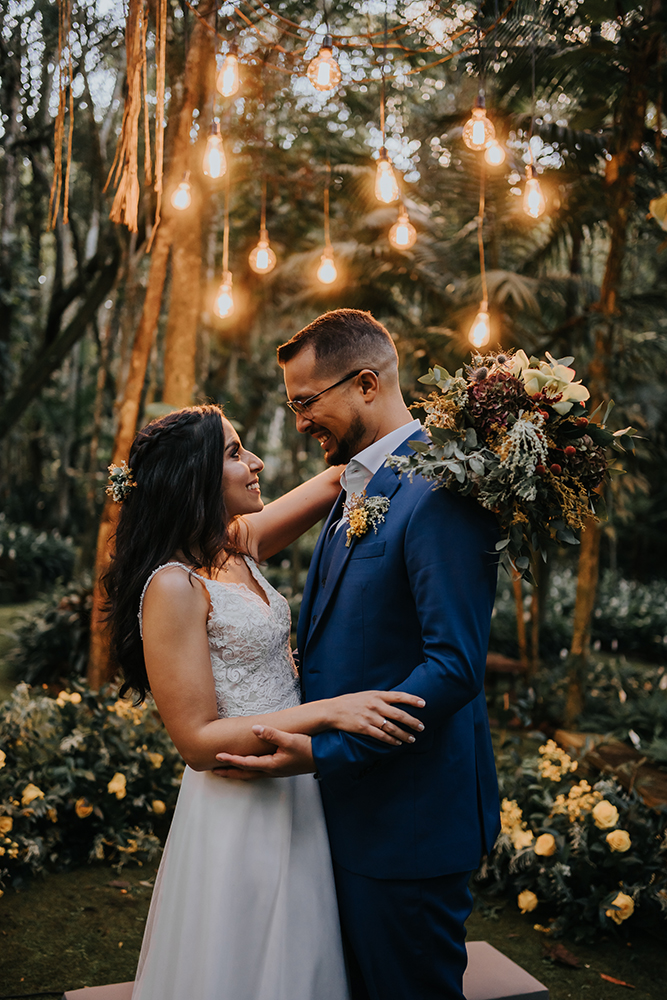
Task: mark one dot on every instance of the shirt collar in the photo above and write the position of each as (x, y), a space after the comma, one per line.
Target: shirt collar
(372, 458)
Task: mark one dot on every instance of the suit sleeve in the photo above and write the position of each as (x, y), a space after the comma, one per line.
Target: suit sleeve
(450, 557)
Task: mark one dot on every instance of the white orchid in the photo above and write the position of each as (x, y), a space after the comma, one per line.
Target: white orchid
(555, 381)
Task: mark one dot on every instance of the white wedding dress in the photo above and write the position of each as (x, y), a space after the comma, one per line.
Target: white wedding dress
(244, 905)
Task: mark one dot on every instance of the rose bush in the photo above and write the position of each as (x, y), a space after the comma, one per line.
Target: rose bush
(588, 859)
(82, 776)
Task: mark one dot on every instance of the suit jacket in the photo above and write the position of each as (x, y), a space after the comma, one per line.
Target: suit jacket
(408, 608)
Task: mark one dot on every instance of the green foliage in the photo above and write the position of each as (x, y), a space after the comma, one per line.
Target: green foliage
(82, 777)
(557, 847)
(52, 642)
(31, 561)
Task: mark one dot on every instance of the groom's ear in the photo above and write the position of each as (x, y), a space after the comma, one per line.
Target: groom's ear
(369, 383)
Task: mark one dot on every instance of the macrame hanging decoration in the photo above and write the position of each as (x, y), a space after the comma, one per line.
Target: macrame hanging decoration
(65, 107)
(125, 167)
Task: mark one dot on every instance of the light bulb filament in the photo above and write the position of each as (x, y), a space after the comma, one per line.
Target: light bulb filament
(224, 300)
(386, 185)
(327, 272)
(480, 331)
(323, 71)
(228, 77)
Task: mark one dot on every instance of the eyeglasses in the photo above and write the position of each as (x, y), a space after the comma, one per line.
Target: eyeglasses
(301, 406)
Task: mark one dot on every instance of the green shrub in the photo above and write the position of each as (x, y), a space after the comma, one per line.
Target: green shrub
(30, 561)
(82, 777)
(52, 642)
(629, 617)
(586, 861)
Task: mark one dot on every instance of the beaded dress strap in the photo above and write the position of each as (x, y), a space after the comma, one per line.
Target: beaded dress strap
(143, 592)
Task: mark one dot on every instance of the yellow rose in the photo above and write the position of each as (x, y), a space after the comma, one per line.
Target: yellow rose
(155, 759)
(75, 698)
(625, 907)
(117, 786)
(30, 793)
(521, 839)
(1, 892)
(52, 814)
(545, 845)
(605, 815)
(83, 808)
(3, 758)
(527, 901)
(6, 823)
(619, 840)
(159, 807)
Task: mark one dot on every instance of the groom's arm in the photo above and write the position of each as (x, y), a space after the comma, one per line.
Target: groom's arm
(452, 566)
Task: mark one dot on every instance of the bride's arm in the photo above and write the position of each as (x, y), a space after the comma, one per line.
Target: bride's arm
(178, 664)
(283, 520)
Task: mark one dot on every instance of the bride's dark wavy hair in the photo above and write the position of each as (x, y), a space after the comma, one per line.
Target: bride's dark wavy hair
(177, 506)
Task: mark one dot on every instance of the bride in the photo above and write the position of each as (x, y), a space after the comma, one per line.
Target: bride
(244, 905)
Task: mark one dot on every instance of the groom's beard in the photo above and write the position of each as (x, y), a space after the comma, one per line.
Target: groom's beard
(348, 446)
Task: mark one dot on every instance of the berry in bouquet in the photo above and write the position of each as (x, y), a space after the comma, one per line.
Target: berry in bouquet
(514, 433)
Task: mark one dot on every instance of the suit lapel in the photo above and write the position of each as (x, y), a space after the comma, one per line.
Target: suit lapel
(310, 589)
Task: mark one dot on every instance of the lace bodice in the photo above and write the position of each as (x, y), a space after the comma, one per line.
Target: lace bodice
(249, 642)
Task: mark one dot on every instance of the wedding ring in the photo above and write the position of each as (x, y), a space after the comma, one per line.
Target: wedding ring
(385, 722)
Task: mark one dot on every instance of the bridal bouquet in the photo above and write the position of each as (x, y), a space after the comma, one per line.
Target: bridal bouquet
(513, 432)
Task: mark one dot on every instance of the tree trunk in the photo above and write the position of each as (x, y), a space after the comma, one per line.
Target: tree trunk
(620, 180)
(98, 664)
(180, 350)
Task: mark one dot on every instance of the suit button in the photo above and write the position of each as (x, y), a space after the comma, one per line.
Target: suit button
(314, 619)
(324, 582)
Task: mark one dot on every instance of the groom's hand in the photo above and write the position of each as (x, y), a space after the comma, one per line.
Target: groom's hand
(292, 756)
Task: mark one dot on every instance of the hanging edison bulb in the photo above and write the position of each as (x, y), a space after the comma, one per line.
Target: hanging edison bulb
(386, 185)
(227, 81)
(224, 299)
(494, 153)
(262, 258)
(215, 162)
(323, 71)
(182, 196)
(480, 331)
(478, 131)
(402, 234)
(326, 272)
(534, 202)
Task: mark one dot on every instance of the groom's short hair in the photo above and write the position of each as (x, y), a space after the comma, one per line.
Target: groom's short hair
(343, 339)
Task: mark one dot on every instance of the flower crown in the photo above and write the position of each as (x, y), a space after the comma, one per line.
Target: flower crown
(120, 482)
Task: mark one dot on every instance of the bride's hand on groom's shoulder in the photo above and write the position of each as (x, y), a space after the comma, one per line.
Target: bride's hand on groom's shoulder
(376, 714)
(293, 755)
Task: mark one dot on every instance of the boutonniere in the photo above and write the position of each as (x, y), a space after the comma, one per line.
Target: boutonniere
(362, 513)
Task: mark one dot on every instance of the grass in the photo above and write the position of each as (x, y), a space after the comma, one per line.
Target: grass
(72, 929)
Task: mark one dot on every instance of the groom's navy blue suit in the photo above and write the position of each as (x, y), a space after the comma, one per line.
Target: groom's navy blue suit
(408, 608)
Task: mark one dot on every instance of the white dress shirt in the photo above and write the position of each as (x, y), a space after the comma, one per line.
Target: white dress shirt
(360, 470)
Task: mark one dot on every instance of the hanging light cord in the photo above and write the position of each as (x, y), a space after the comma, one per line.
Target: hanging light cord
(384, 60)
(480, 232)
(225, 235)
(327, 240)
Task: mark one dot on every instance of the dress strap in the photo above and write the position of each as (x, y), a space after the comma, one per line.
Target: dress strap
(188, 570)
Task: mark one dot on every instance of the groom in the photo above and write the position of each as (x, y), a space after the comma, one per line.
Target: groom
(408, 608)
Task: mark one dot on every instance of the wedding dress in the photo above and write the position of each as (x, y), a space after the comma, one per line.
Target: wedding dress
(244, 905)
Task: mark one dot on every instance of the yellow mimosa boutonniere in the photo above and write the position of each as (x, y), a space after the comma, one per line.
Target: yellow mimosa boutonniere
(362, 512)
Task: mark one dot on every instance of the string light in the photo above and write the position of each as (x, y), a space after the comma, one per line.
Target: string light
(386, 185)
(494, 153)
(326, 272)
(478, 131)
(182, 196)
(227, 82)
(215, 162)
(224, 299)
(480, 331)
(402, 234)
(262, 258)
(323, 71)
(534, 202)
